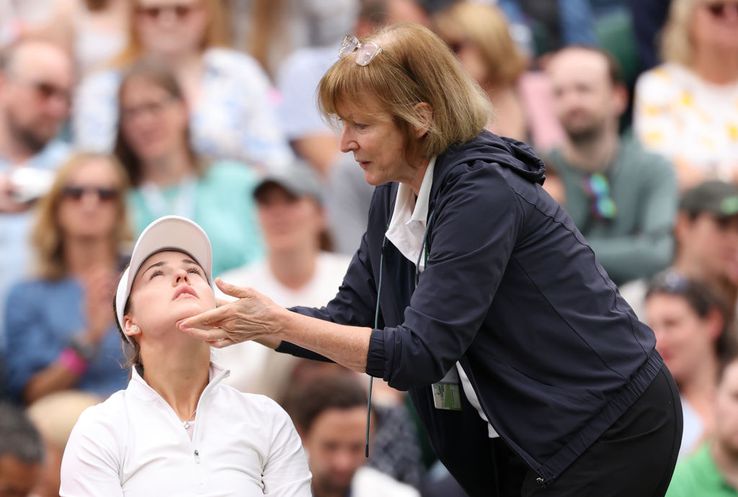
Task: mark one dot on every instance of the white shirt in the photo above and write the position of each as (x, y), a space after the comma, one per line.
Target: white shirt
(258, 369)
(134, 444)
(406, 231)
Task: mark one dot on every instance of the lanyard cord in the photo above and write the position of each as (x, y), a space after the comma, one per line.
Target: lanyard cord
(376, 326)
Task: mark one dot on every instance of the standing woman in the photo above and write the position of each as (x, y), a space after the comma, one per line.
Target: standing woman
(473, 290)
(60, 335)
(177, 429)
(233, 115)
(169, 177)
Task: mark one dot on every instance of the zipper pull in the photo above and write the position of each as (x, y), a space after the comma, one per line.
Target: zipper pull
(197, 456)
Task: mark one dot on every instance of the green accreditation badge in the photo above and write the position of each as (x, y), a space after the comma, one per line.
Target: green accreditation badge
(447, 392)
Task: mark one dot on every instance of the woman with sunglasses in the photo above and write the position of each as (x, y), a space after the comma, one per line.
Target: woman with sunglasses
(686, 108)
(692, 328)
(232, 111)
(59, 334)
(473, 290)
(177, 429)
(169, 177)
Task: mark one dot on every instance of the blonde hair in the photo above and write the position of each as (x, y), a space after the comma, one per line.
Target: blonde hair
(676, 39)
(217, 33)
(486, 27)
(414, 66)
(46, 236)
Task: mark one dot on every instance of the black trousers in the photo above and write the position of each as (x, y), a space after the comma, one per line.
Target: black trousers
(635, 457)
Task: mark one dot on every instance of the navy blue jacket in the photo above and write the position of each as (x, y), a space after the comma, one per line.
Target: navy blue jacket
(513, 291)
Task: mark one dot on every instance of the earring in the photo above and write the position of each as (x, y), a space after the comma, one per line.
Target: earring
(134, 328)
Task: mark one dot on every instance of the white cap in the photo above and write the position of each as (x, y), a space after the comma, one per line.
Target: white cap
(166, 233)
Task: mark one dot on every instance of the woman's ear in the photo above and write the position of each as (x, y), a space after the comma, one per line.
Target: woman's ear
(425, 112)
(130, 328)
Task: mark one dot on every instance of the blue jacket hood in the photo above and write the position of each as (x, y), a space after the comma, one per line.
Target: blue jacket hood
(512, 154)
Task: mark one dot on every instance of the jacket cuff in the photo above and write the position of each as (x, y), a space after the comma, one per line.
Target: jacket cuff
(375, 357)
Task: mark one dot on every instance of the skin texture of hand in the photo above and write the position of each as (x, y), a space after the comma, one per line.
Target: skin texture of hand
(99, 286)
(255, 317)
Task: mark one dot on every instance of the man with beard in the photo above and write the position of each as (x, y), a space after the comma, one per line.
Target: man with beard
(622, 198)
(36, 79)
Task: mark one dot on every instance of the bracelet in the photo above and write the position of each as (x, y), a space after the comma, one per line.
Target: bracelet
(72, 361)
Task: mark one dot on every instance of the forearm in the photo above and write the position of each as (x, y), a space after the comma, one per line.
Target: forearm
(54, 378)
(345, 345)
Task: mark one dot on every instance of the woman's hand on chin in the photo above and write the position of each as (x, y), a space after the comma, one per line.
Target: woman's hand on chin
(253, 316)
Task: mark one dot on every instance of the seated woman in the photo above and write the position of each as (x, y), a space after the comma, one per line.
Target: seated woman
(686, 107)
(692, 335)
(167, 175)
(233, 113)
(58, 329)
(177, 429)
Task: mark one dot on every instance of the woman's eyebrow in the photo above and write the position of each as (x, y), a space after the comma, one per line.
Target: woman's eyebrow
(156, 264)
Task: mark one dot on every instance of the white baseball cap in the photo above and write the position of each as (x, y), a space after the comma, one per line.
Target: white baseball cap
(166, 233)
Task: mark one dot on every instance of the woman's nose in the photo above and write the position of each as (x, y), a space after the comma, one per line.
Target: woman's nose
(348, 144)
(181, 275)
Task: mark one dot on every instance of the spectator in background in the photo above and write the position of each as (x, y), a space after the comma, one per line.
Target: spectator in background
(713, 470)
(298, 76)
(232, 114)
(622, 198)
(59, 325)
(21, 453)
(298, 268)
(169, 177)
(94, 31)
(36, 81)
(480, 37)
(687, 108)
(706, 235)
(693, 331)
(649, 17)
(551, 25)
(329, 413)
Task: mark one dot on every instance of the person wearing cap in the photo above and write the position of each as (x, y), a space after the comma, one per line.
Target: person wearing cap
(164, 434)
(473, 289)
(298, 270)
(706, 235)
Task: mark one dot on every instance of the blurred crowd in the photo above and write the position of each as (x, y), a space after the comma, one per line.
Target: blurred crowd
(116, 112)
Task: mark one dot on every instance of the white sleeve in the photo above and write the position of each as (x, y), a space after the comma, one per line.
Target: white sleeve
(90, 465)
(654, 121)
(286, 472)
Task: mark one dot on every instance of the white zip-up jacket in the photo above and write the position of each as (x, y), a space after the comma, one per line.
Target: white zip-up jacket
(133, 444)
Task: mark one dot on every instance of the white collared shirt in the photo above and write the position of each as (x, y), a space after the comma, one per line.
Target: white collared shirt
(406, 231)
(134, 444)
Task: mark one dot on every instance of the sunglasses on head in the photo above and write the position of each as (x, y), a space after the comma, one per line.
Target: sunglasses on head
(104, 194)
(180, 11)
(720, 9)
(365, 52)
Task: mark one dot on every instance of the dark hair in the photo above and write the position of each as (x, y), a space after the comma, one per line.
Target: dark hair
(306, 401)
(131, 348)
(159, 76)
(700, 298)
(19, 438)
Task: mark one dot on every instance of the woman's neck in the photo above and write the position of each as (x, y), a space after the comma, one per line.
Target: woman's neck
(169, 169)
(294, 268)
(81, 254)
(178, 370)
(719, 67)
(699, 390)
